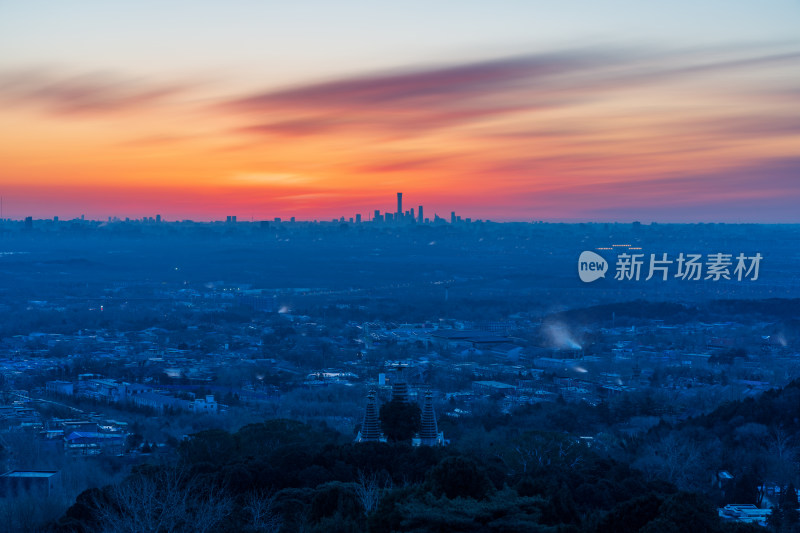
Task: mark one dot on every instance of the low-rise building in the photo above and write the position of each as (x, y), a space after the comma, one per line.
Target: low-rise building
(38, 482)
(746, 513)
(60, 388)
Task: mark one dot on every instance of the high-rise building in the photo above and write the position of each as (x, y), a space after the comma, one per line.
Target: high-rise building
(420, 219)
(453, 217)
(358, 218)
(399, 205)
(377, 217)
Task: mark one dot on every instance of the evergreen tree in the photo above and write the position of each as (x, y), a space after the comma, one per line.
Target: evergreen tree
(400, 421)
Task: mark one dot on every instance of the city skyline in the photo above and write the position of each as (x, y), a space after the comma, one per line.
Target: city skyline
(511, 112)
(409, 216)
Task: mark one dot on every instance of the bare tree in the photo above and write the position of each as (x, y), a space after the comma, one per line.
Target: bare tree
(532, 450)
(165, 502)
(208, 507)
(679, 459)
(781, 456)
(143, 504)
(368, 490)
(263, 517)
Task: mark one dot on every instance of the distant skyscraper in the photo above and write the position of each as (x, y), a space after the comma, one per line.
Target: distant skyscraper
(358, 218)
(420, 219)
(399, 205)
(453, 217)
(377, 217)
(158, 219)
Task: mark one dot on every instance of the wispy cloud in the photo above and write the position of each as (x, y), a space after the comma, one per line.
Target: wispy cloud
(578, 133)
(454, 96)
(414, 100)
(89, 94)
(417, 87)
(271, 179)
(762, 191)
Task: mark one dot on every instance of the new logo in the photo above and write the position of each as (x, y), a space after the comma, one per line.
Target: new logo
(591, 266)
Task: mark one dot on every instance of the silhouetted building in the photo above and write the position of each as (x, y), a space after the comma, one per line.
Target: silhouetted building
(358, 218)
(35, 482)
(399, 205)
(371, 427)
(399, 386)
(420, 219)
(453, 217)
(429, 431)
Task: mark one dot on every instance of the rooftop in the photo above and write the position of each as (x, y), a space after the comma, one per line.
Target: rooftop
(30, 473)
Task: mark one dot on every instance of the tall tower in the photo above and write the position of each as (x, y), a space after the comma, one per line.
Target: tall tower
(371, 427)
(429, 430)
(399, 385)
(419, 216)
(399, 205)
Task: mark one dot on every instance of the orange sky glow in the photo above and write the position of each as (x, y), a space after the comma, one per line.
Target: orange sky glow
(577, 134)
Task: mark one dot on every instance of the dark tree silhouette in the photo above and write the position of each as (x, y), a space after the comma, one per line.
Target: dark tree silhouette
(400, 420)
(459, 477)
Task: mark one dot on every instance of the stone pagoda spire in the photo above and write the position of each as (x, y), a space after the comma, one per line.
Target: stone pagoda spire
(371, 427)
(429, 431)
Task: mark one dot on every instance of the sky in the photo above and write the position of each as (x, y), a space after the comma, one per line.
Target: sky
(559, 111)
